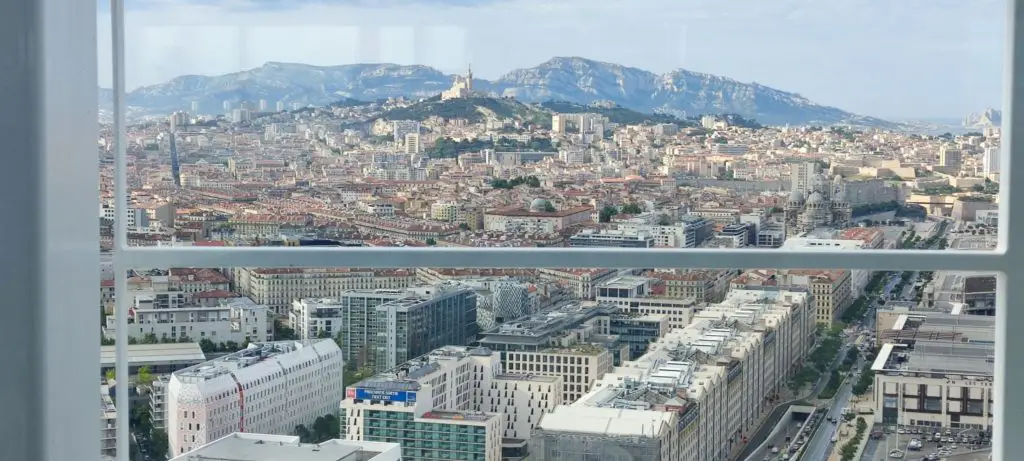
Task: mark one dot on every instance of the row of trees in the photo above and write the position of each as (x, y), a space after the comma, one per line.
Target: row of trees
(450, 148)
(606, 213)
(818, 361)
(150, 440)
(849, 449)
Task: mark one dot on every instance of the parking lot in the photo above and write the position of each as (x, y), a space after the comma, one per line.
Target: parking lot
(879, 450)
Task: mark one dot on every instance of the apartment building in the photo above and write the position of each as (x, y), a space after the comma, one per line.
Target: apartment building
(591, 238)
(267, 388)
(519, 219)
(696, 395)
(936, 370)
(581, 282)
(312, 318)
(242, 446)
(277, 288)
(218, 316)
(108, 424)
(435, 404)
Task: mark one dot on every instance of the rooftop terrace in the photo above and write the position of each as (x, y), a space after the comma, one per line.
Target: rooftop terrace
(255, 353)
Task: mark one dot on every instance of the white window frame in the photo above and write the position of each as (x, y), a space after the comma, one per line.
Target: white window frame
(1009, 369)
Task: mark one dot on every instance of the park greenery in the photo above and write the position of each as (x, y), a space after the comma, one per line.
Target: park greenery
(149, 439)
(818, 360)
(849, 449)
(529, 181)
(606, 213)
(834, 380)
(862, 210)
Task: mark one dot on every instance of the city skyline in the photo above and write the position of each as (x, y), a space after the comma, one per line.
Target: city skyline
(948, 64)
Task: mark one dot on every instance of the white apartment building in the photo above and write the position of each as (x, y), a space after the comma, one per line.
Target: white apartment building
(311, 317)
(936, 370)
(218, 316)
(697, 393)
(108, 423)
(451, 390)
(267, 388)
(277, 288)
(241, 446)
(445, 210)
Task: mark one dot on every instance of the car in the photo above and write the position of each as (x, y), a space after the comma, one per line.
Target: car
(897, 454)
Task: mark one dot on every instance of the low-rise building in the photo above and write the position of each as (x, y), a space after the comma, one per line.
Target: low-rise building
(243, 446)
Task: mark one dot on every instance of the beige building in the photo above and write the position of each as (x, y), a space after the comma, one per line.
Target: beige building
(108, 424)
(461, 88)
(701, 285)
(277, 288)
(831, 290)
(578, 366)
(445, 210)
(533, 220)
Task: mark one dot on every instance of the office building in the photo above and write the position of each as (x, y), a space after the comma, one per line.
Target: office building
(242, 446)
(591, 238)
(267, 388)
(633, 295)
(936, 370)
(831, 290)
(315, 318)
(572, 342)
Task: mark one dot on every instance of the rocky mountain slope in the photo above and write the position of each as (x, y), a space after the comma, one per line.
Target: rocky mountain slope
(570, 79)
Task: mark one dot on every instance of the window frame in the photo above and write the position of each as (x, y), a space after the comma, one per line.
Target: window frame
(1005, 257)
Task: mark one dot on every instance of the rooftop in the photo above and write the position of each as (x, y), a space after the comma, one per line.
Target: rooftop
(265, 447)
(147, 354)
(255, 353)
(406, 376)
(460, 415)
(940, 344)
(541, 325)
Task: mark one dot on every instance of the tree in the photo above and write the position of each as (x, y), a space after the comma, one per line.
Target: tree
(109, 375)
(978, 188)
(158, 442)
(145, 377)
(632, 208)
(664, 220)
(430, 241)
(304, 435)
(606, 213)
(283, 332)
(548, 207)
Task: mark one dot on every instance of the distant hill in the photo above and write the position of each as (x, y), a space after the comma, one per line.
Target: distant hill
(681, 93)
(476, 109)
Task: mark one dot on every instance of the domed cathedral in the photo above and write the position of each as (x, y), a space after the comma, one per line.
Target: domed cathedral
(825, 205)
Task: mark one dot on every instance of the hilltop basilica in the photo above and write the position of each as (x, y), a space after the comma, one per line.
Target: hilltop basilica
(461, 88)
(825, 205)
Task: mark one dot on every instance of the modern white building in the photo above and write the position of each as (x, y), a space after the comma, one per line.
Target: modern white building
(267, 388)
(218, 316)
(312, 317)
(276, 288)
(240, 446)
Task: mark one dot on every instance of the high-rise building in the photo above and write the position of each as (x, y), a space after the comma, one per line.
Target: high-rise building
(263, 105)
(280, 106)
(400, 128)
(266, 388)
(801, 175)
(950, 157)
(412, 143)
(990, 163)
(194, 107)
(108, 422)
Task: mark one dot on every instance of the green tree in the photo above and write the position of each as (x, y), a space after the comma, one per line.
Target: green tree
(144, 377)
(158, 443)
(109, 375)
(283, 332)
(664, 220)
(305, 436)
(548, 207)
(978, 188)
(430, 241)
(632, 208)
(606, 213)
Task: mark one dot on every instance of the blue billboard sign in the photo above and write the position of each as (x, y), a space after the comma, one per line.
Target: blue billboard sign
(385, 395)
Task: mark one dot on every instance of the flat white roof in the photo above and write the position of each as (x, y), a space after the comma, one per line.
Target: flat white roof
(155, 354)
(883, 356)
(266, 447)
(901, 322)
(606, 421)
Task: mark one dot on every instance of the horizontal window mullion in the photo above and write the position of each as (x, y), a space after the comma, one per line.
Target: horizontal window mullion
(561, 257)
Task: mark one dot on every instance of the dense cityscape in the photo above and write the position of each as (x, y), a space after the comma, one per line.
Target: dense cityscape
(610, 363)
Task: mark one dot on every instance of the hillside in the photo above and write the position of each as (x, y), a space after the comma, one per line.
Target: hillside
(475, 110)
(615, 114)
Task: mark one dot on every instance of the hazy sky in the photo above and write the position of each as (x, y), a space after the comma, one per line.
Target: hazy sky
(888, 58)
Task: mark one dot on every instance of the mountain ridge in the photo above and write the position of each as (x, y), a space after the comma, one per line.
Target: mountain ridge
(680, 92)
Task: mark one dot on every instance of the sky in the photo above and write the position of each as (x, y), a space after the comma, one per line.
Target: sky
(887, 58)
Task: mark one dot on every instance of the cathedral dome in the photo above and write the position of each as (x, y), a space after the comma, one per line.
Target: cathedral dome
(796, 197)
(815, 199)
